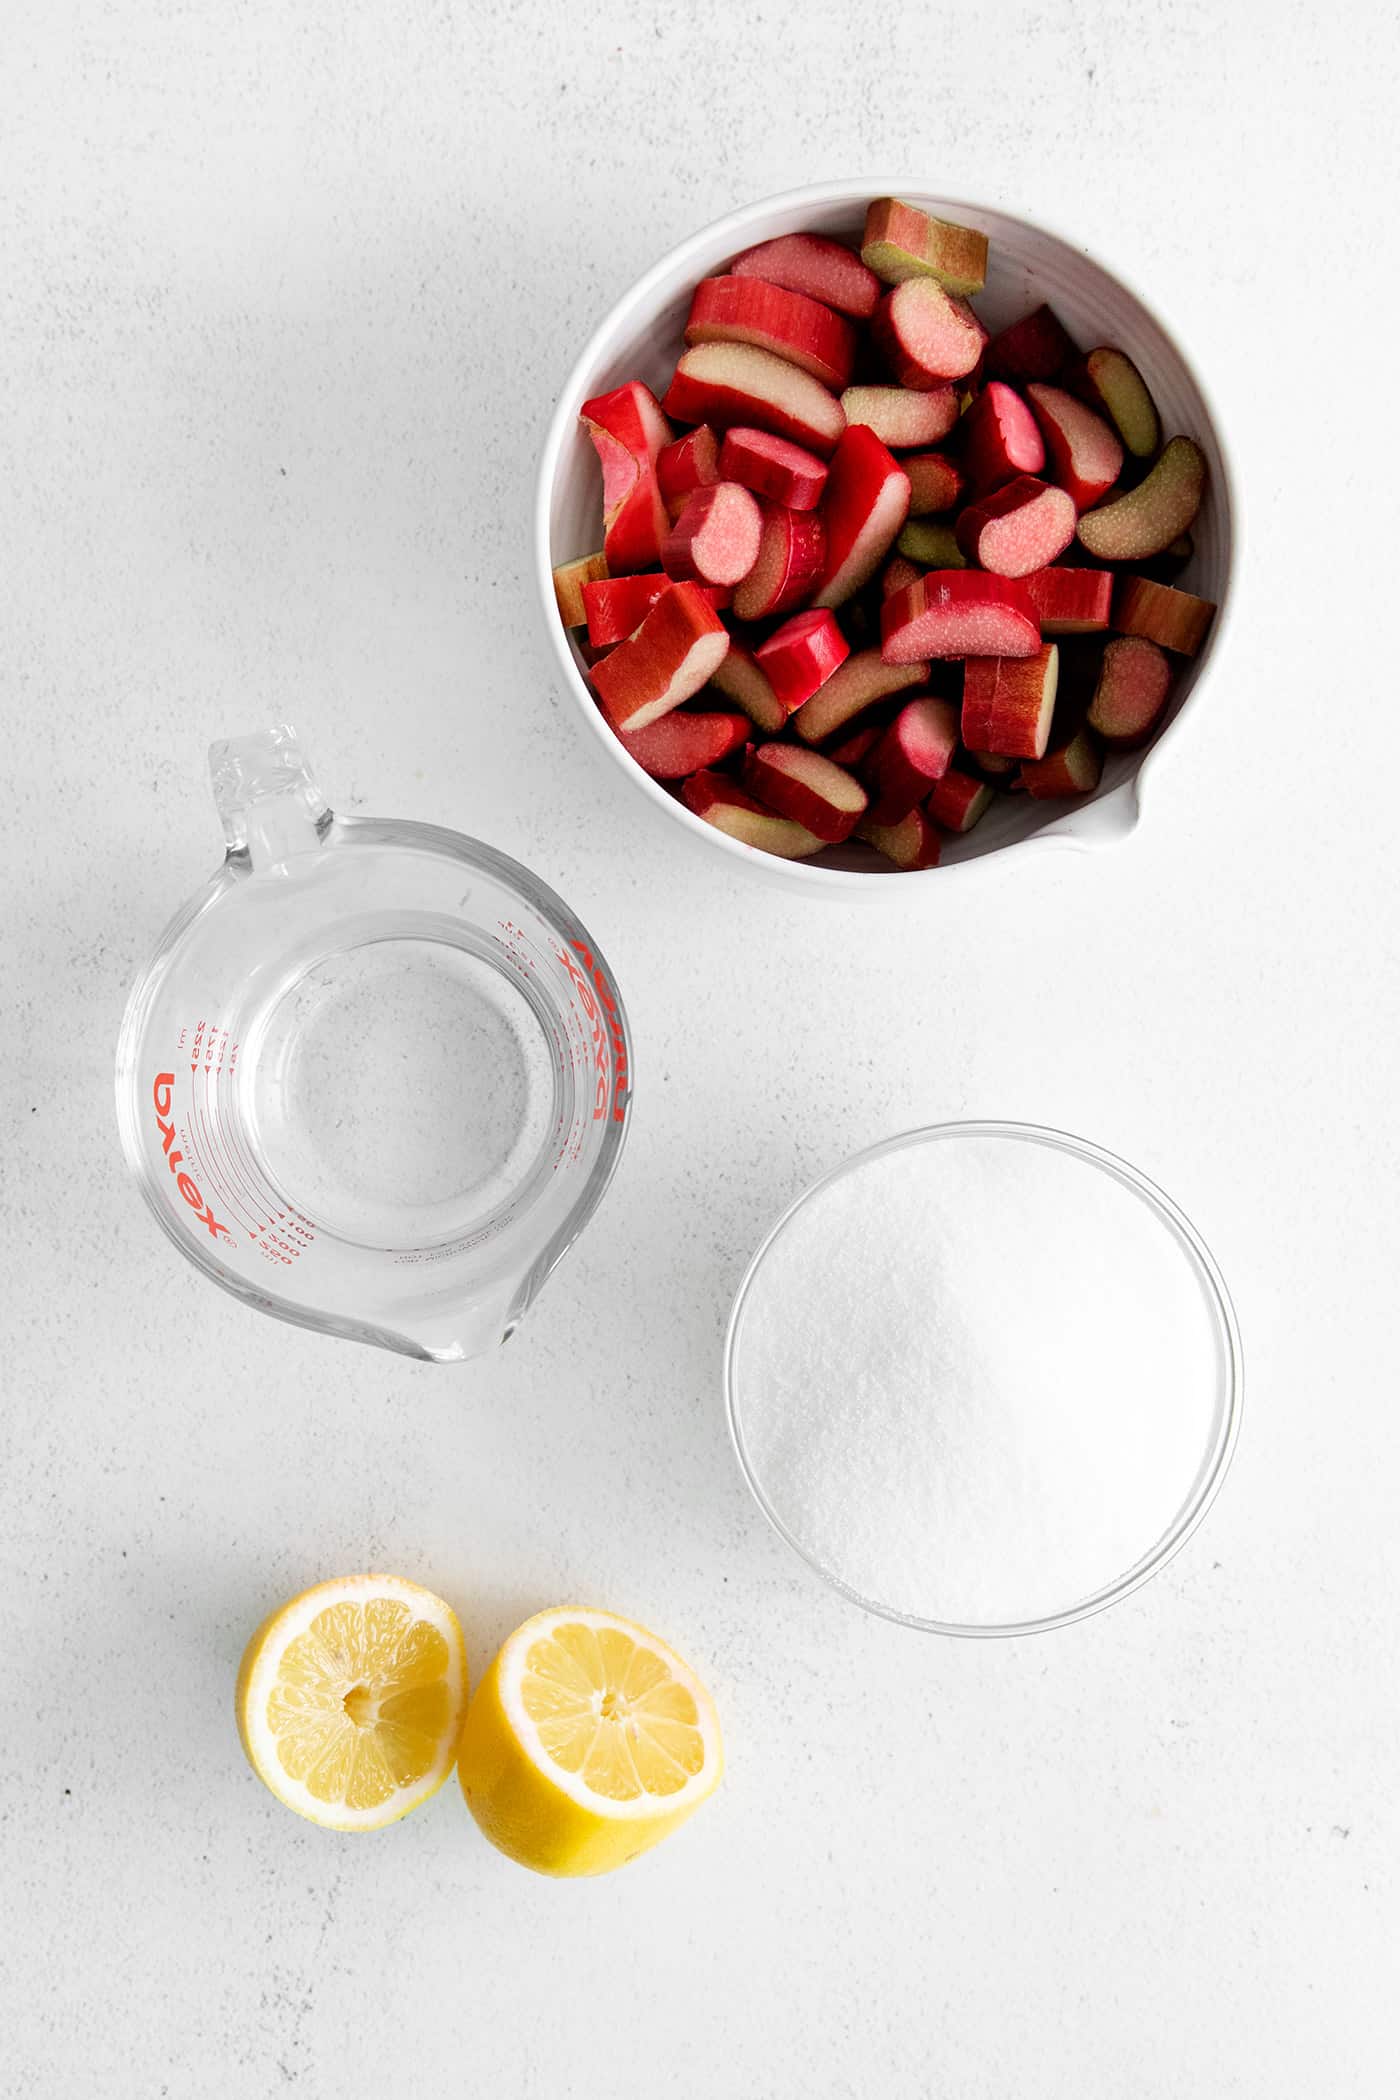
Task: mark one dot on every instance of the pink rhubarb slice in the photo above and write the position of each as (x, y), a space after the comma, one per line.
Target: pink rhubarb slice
(1001, 439)
(1134, 681)
(1084, 453)
(860, 682)
(1176, 619)
(912, 843)
(810, 263)
(913, 754)
(792, 326)
(867, 500)
(791, 554)
(1020, 527)
(727, 383)
(959, 612)
(773, 467)
(807, 787)
(801, 655)
(926, 335)
(629, 431)
(903, 244)
(569, 580)
(1009, 703)
(901, 417)
(1071, 601)
(677, 649)
(716, 537)
(1035, 347)
(680, 744)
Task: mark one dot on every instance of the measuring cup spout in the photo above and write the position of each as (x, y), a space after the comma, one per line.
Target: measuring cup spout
(268, 801)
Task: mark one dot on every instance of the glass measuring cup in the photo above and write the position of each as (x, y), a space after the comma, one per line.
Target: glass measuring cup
(376, 1076)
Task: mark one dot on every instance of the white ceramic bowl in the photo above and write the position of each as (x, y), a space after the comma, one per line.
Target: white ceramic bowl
(641, 339)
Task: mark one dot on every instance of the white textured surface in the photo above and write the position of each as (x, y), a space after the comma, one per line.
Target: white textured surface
(287, 289)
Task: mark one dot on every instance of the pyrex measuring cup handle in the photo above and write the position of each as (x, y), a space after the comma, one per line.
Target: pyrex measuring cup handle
(268, 800)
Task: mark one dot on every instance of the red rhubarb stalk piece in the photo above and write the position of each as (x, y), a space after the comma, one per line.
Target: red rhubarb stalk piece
(677, 649)
(739, 679)
(721, 802)
(810, 263)
(691, 463)
(791, 554)
(1148, 518)
(715, 538)
(862, 680)
(914, 753)
(925, 335)
(617, 605)
(912, 843)
(727, 383)
(1175, 619)
(773, 467)
(681, 744)
(1001, 439)
(1018, 528)
(1071, 768)
(1009, 703)
(1071, 601)
(903, 244)
(1035, 347)
(628, 431)
(935, 482)
(959, 800)
(901, 417)
(1134, 680)
(1084, 453)
(959, 612)
(1109, 381)
(801, 655)
(807, 787)
(867, 500)
(569, 580)
(792, 326)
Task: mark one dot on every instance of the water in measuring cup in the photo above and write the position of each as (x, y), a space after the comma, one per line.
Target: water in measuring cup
(401, 1093)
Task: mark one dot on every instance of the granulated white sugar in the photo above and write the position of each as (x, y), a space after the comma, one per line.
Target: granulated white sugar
(977, 1379)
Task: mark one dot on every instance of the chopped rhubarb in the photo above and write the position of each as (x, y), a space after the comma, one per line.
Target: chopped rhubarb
(715, 539)
(959, 612)
(792, 326)
(1035, 347)
(810, 789)
(959, 800)
(773, 467)
(629, 431)
(935, 482)
(801, 655)
(718, 801)
(1134, 681)
(1151, 516)
(569, 580)
(675, 651)
(932, 543)
(912, 843)
(862, 680)
(1009, 703)
(1071, 768)
(1110, 382)
(617, 605)
(691, 463)
(1071, 601)
(1085, 455)
(1018, 528)
(810, 263)
(902, 244)
(914, 753)
(867, 500)
(899, 416)
(727, 383)
(1001, 439)
(791, 552)
(739, 678)
(926, 335)
(680, 744)
(1173, 618)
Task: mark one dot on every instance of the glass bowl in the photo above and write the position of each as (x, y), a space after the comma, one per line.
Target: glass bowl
(1147, 1275)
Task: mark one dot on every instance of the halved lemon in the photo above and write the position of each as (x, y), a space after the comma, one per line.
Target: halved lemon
(350, 1700)
(587, 1741)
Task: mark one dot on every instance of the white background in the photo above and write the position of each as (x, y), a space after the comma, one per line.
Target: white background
(286, 294)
